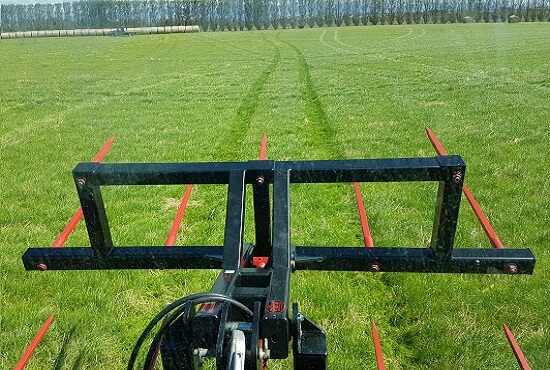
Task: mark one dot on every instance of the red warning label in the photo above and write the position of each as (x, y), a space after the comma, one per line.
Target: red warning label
(275, 306)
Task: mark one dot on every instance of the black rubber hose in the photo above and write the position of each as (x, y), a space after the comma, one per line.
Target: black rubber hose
(196, 299)
(155, 345)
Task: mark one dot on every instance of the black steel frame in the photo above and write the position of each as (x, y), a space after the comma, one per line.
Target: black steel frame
(270, 286)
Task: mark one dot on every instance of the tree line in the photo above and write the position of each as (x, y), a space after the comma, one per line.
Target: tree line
(231, 15)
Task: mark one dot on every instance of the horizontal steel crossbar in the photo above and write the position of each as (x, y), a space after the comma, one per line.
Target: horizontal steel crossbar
(399, 259)
(328, 171)
(389, 259)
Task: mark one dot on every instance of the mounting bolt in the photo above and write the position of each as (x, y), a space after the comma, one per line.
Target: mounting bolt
(161, 265)
(41, 267)
(512, 269)
(457, 176)
(374, 267)
(81, 182)
(260, 180)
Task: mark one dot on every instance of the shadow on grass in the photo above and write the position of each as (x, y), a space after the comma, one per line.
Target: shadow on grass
(60, 360)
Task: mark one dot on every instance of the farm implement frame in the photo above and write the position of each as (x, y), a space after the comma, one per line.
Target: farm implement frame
(246, 318)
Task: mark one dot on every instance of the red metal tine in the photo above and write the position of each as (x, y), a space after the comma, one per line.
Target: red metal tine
(35, 342)
(367, 237)
(104, 149)
(522, 362)
(263, 147)
(181, 211)
(377, 348)
(179, 217)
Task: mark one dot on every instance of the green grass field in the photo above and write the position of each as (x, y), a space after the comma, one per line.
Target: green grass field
(358, 92)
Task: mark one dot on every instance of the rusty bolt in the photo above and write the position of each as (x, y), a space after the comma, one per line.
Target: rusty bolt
(374, 267)
(80, 182)
(42, 267)
(260, 180)
(457, 176)
(512, 269)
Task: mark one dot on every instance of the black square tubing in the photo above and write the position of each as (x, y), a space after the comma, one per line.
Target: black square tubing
(273, 221)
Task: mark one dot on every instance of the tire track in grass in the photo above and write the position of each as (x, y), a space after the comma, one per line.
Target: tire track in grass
(324, 142)
(410, 32)
(322, 133)
(373, 49)
(426, 64)
(339, 49)
(236, 134)
(227, 46)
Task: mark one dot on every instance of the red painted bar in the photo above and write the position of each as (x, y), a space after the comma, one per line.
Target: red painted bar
(35, 342)
(104, 149)
(179, 217)
(263, 147)
(377, 348)
(522, 362)
(71, 225)
(367, 237)
(261, 262)
(62, 238)
(495, 241)
(436, 144)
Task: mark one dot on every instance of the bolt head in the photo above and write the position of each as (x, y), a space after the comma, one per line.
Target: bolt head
(42, 267)
(260, 180)
(512, 269)
(374, 267)
(457, 177)
(81, 182)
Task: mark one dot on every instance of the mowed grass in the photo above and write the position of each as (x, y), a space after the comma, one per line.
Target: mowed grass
(326, 93)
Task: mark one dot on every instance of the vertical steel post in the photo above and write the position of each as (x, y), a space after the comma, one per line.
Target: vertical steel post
(234, 221)
(71, 225)
(262, 215)
(262, 211)
(276, 326)
(447, 207)
(93, 208)
(491, 234)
